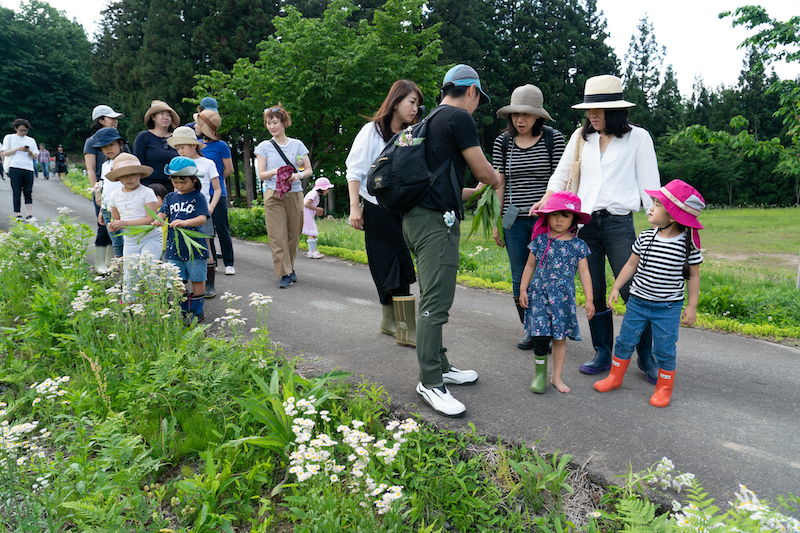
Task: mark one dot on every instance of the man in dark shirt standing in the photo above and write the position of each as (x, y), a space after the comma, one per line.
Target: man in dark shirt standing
(432, 231)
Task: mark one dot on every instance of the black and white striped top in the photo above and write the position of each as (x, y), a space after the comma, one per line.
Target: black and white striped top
(530, 170)
(659, 276)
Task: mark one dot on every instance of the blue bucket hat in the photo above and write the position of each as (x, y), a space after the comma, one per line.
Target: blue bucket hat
(106, 136)
(182, 166)
(465, 76)
(209, 103)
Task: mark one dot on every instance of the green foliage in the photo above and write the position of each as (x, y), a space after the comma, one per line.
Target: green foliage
(488, 211)
(247, 223)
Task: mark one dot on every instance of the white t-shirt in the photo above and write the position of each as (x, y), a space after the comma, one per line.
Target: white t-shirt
(109, 187)
(293, 149)
(131, 205)
(20, 159)
(209, 170)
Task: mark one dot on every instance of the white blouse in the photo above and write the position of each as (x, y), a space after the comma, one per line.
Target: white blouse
(615, 180)
(366, 148)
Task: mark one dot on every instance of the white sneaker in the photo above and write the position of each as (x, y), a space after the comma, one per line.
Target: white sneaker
(442, 402)
(229, 270)
(316, 254)
(455, 376)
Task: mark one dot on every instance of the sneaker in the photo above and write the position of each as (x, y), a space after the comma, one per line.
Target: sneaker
(455, 376)
(285, 282)
(293, 277)
(316, 254)
(229, 270)
(441, 400)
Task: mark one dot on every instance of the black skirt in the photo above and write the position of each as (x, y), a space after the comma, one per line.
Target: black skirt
(387, 252)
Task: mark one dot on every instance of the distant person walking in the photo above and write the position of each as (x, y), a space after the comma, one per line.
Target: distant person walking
(44, 161)
(21, 149)
(311, 211)
(389, 260)
(617, 163)
(151, 146)
(61, 162)
(279, 160)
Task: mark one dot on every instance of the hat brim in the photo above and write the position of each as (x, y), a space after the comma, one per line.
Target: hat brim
(176, 120)
(185, 172)
(115, 175)
(613, 104)
(205, 128)
(175, 141)
(583, 218)
(681, 217)
(101, 143)
(503, 112)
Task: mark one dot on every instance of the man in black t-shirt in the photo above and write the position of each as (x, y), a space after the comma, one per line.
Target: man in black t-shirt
(432, 230)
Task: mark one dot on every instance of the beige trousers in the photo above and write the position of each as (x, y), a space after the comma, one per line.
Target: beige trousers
(284, 219)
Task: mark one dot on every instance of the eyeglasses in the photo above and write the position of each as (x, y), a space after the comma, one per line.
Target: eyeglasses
(272, 110)
(22, 130)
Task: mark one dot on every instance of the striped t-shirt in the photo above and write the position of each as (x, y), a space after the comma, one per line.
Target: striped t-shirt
(528, 171)
(659, 276)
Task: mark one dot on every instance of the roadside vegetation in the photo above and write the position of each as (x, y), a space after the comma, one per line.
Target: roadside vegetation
(117, 418)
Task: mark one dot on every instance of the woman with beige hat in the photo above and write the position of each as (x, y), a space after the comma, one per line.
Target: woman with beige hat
(614, 165)
(526, 155)
(151, 146)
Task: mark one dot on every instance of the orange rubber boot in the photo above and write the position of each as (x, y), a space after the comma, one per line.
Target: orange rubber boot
(663, 394)
(614, 379)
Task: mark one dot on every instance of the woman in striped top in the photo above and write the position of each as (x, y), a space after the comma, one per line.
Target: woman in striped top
(662, 258)
(526, 154)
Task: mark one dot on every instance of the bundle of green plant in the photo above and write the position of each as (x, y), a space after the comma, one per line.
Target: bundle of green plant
(487, 212)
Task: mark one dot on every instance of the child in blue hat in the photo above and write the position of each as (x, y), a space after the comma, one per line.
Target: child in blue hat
(186, 207)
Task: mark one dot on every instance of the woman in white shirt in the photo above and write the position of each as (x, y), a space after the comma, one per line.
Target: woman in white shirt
(387, 253)
(20, 151)
(617, 163)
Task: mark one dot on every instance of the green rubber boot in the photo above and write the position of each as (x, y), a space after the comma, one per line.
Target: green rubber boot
(540, 379)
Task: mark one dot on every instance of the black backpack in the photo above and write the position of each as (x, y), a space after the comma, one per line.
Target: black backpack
(400, 178)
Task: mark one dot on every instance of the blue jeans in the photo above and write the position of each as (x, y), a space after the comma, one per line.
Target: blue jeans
(117, 240)
(664, 317)
(517, 240)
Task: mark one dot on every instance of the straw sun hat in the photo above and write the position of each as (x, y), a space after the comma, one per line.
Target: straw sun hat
(603, 92)
(526, 99)
(157, 106)
(184, 135)
(209, 121)
(125, 164)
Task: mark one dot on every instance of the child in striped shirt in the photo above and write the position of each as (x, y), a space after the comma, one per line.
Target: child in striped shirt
(663, 257)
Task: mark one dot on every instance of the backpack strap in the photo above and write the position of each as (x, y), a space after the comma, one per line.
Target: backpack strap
(549, 143)
(286, 159)
(453, 180)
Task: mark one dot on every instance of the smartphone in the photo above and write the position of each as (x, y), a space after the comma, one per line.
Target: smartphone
(510, 217)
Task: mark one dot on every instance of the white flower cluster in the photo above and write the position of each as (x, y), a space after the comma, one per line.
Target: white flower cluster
(101, 313)
(664, 476)
(768, 519)
(64, 210)
(53, 233)
(314, 453)
(51, 388)
(259, 300)
(229, 297)
(232, 317)
(82, 300)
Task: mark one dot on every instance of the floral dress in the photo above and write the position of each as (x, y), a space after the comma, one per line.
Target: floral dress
(551, 295)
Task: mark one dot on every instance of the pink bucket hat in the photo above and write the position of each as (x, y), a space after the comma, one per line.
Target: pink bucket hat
(683, 203)
(559, 201)
(322, 184)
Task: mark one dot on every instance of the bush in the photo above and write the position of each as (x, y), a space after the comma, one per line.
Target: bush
(247, 223)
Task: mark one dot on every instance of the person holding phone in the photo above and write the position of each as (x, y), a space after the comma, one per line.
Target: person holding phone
(21, 149)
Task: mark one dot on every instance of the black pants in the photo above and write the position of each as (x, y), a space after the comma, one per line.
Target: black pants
(223, 231)
(21, 183)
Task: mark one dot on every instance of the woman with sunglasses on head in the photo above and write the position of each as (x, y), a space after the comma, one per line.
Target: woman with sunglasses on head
(151, 146)
(280, 161)
(387, 252)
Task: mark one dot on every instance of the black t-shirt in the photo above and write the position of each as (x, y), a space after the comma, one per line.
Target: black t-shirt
(154, 152)
(450, 132)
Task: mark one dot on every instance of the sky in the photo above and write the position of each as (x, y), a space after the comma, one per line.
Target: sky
(697, 41)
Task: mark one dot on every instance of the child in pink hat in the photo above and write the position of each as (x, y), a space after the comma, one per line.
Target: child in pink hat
(663, 257)
(556, 253)
(311, 203)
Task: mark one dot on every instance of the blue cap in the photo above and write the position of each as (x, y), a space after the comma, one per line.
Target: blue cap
(465, 76)
(106, 136)
(182, 166)
(209, 103)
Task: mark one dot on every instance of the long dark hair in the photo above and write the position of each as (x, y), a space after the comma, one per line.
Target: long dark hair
(616, 123)
(535, 130)
(383, 118)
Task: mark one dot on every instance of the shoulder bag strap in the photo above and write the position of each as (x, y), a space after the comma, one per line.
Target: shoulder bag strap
(286, 159)
(549, 143)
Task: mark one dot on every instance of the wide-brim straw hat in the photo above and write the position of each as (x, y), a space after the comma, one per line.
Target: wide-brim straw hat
(603, 92)
(184, 135)
(125, 164)
(209, 121)
(157, 106)
(526, 99)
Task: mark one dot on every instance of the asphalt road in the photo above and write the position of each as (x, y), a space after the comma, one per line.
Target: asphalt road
(734, 417)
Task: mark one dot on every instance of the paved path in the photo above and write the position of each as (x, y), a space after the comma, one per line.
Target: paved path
(734, 417)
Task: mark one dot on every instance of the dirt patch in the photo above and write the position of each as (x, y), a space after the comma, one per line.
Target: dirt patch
(787, 262)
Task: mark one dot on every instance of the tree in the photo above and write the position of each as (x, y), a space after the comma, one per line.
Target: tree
(669, 111)
(329, 75)
(643, 75)
(45, 73)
